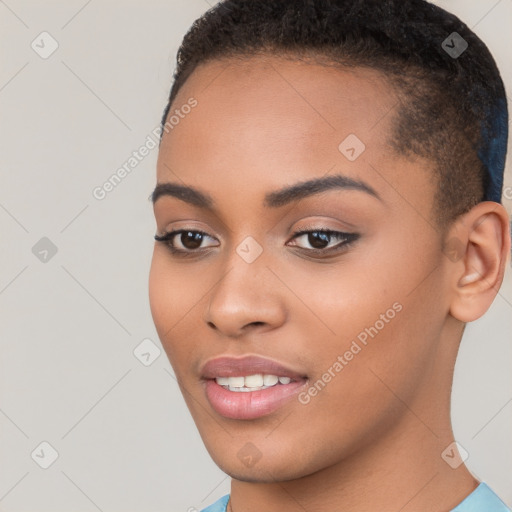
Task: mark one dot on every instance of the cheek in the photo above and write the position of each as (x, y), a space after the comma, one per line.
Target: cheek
(371, 328)
(174, 291)
(344, 302)
(160, 293)
(172, 299)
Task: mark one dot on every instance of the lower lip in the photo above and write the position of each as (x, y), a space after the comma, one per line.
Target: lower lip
(240, 405)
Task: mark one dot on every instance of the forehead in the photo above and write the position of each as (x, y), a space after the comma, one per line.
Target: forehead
(264, 122)
(288, 98)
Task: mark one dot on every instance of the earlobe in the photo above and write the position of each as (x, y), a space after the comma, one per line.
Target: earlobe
(484, 240)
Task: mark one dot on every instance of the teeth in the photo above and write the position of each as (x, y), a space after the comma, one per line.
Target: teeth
(251, 382)
(236, 382)
(270, 380)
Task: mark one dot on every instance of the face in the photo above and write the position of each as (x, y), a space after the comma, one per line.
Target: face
(355, 306)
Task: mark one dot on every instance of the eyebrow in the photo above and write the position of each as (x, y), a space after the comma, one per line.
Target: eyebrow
(275, 199)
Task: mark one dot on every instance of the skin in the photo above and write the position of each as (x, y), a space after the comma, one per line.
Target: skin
(372, 438)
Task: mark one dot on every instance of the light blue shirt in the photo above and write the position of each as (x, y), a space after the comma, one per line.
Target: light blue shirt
(482, 499)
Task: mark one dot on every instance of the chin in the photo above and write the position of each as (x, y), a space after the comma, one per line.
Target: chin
(267, 467)
(261, 473)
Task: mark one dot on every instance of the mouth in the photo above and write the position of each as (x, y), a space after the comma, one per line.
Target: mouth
(249, 387)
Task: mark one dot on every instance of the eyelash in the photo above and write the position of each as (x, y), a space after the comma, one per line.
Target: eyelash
(347, 240)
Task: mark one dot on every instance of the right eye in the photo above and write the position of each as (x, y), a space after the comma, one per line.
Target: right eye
(189, 241)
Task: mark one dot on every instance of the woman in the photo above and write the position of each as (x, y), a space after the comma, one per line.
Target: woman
(328, 220)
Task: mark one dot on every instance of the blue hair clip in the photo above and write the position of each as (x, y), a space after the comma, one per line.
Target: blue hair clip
(494, 149)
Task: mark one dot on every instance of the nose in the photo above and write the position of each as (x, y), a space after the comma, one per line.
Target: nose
(248, 297)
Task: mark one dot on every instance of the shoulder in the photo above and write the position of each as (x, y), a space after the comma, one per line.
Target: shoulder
(218, 506)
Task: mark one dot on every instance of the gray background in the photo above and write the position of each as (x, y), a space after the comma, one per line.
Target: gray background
(70, 323)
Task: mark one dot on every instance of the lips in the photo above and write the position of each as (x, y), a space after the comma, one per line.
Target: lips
(228, 366)
(249, 405)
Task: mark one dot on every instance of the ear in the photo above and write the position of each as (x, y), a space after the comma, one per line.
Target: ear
(477, 249)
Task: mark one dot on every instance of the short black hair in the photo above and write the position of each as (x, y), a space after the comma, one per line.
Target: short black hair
(453, 107)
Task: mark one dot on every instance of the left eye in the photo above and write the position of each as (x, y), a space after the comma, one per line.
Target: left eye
(320, 239)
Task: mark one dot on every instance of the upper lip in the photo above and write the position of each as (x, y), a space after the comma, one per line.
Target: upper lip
(229, 366)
